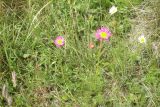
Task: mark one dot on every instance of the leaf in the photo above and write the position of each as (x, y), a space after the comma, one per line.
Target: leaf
(26, 55)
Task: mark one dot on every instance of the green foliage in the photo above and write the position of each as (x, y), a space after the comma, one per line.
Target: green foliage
(72, 76)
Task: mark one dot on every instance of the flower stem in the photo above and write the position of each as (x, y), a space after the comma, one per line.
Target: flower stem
(99, 56)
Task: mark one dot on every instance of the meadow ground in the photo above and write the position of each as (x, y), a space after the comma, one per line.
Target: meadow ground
(120, 72)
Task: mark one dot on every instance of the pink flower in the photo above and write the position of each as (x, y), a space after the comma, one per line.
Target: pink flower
(103, 34)
(59, 41)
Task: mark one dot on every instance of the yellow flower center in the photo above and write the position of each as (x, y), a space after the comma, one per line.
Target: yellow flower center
(103, 35)
(142, 40)
(59, 42)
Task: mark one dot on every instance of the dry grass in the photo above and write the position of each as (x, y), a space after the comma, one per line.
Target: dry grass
(146, 19)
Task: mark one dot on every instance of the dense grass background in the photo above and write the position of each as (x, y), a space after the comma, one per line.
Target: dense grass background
(121, 74)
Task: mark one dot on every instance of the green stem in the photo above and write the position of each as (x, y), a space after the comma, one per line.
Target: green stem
(98, 57)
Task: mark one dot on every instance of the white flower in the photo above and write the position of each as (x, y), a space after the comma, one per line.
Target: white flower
(142, 39)
(113, 10)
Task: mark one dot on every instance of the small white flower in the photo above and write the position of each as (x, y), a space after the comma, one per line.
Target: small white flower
(113, 10)
(142, 39)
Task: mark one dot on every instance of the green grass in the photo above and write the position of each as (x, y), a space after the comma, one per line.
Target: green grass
(120, 74)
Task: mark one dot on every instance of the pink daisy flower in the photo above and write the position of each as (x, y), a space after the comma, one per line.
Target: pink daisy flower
(103, 34)
(59, 41)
